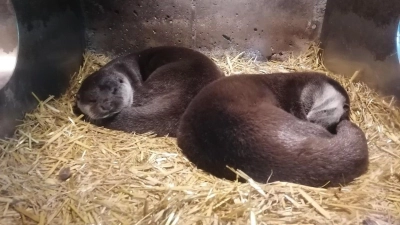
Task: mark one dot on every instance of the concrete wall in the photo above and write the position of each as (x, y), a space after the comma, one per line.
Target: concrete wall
(262, 27)
(356, 34)
(360, 35)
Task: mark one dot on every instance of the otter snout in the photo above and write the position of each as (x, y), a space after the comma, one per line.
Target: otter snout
(98, 110)
(105, 107)
(108, 108)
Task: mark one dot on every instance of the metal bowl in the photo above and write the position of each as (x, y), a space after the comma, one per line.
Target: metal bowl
(8, 42)
(398, 41)
(41, 46)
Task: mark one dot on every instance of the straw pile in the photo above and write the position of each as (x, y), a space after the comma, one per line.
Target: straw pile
(61, 170)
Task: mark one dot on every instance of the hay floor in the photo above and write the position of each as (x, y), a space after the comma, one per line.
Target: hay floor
(120, 178)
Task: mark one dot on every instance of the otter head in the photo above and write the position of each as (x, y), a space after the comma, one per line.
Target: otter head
(326, 105)
(103, 95)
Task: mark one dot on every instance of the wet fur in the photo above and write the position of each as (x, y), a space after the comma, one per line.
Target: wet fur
(146, 91)
(258, 124)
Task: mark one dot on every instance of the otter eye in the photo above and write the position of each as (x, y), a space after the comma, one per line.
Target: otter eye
(114, 91)
(120, 80)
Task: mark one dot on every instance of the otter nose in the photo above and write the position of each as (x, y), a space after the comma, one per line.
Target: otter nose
(105, 107)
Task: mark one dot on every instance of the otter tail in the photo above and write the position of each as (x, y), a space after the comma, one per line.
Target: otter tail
(337, 160)
(307, 154)
(318, 159)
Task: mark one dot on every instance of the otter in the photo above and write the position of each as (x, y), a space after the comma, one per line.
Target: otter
(146, 91)
(275, 127)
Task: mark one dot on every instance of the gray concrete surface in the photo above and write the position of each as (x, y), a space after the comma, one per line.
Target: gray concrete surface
(360, 35)
(263, 27)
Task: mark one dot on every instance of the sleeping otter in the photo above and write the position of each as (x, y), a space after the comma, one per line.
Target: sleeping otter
(275, 127)
(146, 91)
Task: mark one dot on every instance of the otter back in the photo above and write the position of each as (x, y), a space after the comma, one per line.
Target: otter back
(258, 124)
(146, 91)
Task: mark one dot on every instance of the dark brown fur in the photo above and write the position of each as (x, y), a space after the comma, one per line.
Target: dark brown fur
(164, 80)
(256, 123)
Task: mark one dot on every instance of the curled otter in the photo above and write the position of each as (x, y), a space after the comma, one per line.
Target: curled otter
(146, 91)
(275, 127)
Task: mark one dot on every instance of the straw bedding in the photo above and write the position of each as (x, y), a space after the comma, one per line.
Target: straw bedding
(61, 170)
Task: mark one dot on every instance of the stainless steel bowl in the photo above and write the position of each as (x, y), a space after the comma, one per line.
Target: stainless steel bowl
(398, 41)
(41, 46)
(8, 42)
